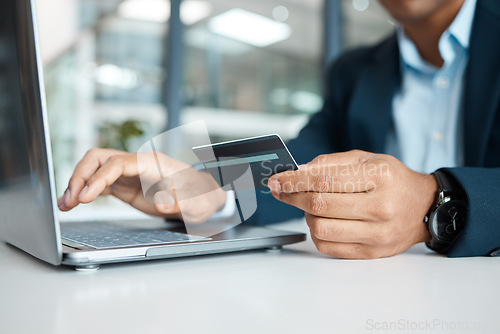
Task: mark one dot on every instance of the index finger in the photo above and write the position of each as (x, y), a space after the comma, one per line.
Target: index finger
(352, 178)
(84, 170)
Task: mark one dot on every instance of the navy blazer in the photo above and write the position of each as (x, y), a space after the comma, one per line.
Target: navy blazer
(357, 114)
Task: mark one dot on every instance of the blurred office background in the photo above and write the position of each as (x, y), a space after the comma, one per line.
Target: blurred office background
(246, 67)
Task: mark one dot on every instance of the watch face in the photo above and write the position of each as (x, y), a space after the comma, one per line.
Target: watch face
(448, 220)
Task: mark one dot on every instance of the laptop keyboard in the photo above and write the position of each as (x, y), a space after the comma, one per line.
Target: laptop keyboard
(107, 235)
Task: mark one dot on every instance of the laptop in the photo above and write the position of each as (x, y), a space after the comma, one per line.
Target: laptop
(29, 214)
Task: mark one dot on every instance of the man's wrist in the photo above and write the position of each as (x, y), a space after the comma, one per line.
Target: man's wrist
(228, 208)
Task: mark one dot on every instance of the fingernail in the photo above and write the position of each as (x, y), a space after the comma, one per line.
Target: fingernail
(274, 185)
(165, 199)
(84, 191)
(66, 196)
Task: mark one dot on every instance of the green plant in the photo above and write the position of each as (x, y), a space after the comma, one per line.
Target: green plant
(118, 135)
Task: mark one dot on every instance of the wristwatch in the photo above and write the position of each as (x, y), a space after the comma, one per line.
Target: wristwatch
(447, 217)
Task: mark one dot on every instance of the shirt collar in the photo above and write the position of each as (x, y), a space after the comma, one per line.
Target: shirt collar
(461, 27)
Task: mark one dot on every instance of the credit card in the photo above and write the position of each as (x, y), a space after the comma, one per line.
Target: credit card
(263, 156)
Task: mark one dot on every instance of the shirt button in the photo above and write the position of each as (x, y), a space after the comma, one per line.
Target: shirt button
(443, 82)
(437, 136)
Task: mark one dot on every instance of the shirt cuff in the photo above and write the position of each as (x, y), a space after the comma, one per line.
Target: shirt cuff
(228, 209)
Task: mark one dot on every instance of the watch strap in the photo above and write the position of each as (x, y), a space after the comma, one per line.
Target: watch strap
(448, 185)
(449, 190)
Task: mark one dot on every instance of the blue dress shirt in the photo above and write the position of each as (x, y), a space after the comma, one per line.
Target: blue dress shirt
(428, 128)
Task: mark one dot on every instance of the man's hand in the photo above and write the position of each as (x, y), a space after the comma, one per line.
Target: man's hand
(359, 205)
(183, 194)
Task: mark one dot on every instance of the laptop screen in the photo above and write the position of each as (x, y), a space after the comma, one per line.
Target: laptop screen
(26, 206)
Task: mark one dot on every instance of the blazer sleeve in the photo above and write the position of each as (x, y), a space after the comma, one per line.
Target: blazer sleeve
(481, 234)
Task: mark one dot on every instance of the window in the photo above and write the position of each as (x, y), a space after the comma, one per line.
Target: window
(251, 67)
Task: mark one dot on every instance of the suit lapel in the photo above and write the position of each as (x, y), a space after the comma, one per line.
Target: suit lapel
(370, 112)
(482, 81)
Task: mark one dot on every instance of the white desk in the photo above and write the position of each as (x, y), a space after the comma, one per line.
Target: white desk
(295, 291)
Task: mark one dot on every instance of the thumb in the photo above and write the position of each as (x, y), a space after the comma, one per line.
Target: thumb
(164, 202)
